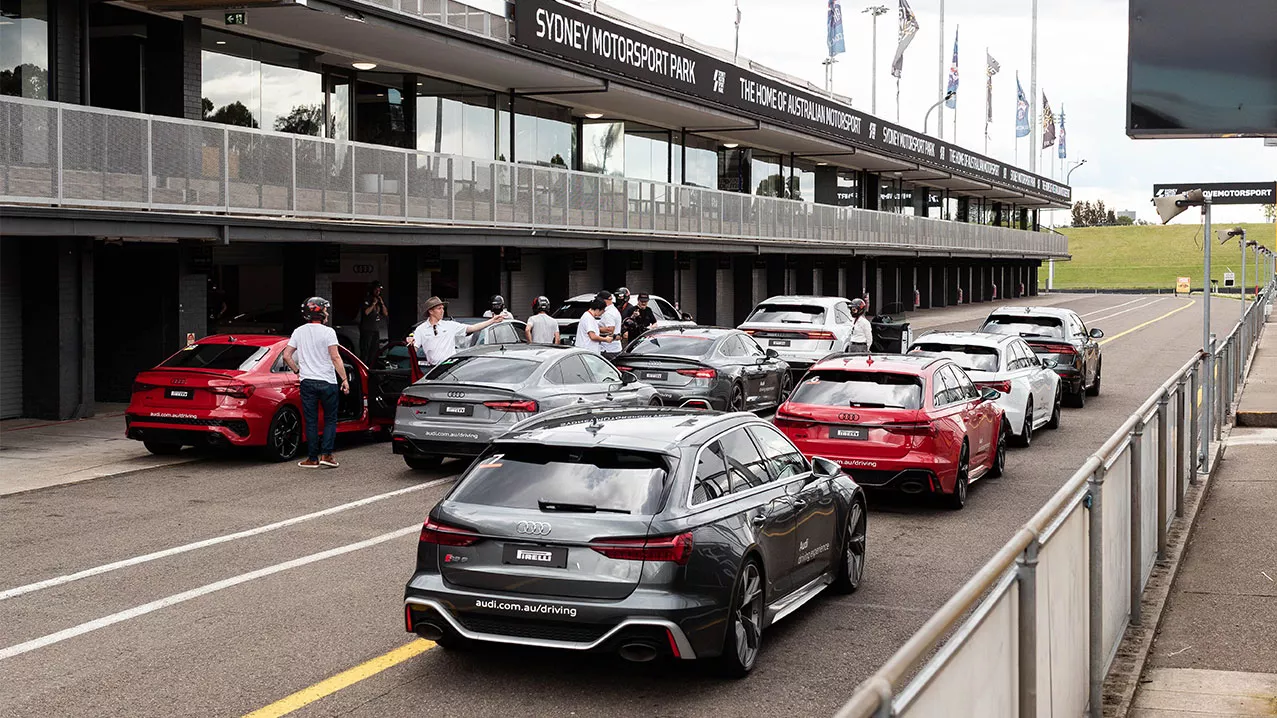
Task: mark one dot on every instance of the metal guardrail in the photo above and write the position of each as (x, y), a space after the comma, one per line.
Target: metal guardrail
(69, 155)
(1035, 630)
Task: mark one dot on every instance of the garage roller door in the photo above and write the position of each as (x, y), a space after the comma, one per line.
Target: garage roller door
(10, 331)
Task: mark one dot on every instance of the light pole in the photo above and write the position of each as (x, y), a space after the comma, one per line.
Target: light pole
(1070, 172)
(927, 118)
(875, 11)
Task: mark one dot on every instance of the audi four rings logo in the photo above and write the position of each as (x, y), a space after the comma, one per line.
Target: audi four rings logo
(533, 528)
(178, 381)
(456, 394)
(848, 416)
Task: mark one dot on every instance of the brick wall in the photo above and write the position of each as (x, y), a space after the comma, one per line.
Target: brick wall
(67, 21)
(192, 69)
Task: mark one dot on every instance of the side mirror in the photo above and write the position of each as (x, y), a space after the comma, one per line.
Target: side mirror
(824, 468)
(1097, 334)
(1049, 363)
(686, 317)
(773, 354)
(627, 377)
(990, 394)
(615, 387)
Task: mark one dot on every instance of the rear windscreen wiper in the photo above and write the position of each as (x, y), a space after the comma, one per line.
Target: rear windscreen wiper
(868, 404)
(565, 507)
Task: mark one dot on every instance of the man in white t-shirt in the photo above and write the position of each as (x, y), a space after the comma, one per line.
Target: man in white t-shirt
(587, 330)
(542, 328)
(862, 332)
(312, 353)
(437, 337)
(611, 323)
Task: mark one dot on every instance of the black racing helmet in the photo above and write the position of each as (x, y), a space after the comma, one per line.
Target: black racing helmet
(540, 304)
(622, 296)
(498, 304)
(858, 307)
(315, 309)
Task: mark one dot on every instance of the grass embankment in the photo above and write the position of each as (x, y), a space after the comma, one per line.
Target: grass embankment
(1150, 257)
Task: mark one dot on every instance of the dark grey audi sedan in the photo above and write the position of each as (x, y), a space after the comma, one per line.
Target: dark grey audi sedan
(651, 533)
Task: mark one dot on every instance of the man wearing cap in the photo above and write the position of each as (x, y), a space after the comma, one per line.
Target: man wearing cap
(436, 337)
(610, 325)
(640, 318)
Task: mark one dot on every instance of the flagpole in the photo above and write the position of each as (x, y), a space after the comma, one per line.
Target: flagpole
(1033, 90)
(943, 89)
(897, 100)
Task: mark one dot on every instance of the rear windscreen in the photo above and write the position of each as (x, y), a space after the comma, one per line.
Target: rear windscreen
(571, 310)
(862, 389)
(521, 476)
(1021, 326)
(682, 345)
(225, 357)
(788, 314)
(487, 369)
(971, 358)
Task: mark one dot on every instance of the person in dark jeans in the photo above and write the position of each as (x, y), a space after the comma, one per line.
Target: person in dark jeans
(312, 353)
(372, 318)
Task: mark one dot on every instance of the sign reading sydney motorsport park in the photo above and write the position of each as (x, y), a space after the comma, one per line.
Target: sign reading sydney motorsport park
(588, 39)
(1224, 192)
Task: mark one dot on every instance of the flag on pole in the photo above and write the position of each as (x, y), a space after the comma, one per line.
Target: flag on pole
(951, 93)
(908, 28)
(1021, 110)
(1064, 154)
(1048, 123)
(991, 68)
(834, 36)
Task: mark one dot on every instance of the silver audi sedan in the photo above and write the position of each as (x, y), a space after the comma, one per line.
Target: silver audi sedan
(480, 393)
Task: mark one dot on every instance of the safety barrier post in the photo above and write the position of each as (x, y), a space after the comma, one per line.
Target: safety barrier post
(1137, 522)
(1196, 445)
(1163, 461)
(1026, 568)
(1181, 436)
(1095, 548)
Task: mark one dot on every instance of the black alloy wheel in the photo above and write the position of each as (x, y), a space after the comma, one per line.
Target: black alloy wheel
(786, 386)
(284, 437)
(999, 466)
(736, 400)
(851, 569)
(1025, 437)
(162, 448)
(656, 401)
(1095, 385)
(423, 463)
(744, 637)
(958, 498)
(1054, 423)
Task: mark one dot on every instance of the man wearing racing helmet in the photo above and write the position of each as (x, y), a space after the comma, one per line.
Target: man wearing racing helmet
(498, 308)
(312, 354)
(541, 327)
(862, 333)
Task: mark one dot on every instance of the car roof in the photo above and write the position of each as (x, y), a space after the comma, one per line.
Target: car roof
(982, 339)
(256, 340)
(535, 352)
(633, 297)
(660, 429)
(900, 363)
(696, 329)
(1032, 312)
(803, 299)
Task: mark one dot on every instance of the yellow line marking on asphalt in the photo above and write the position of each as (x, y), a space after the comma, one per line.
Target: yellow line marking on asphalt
(343, 680)
(1138, 327)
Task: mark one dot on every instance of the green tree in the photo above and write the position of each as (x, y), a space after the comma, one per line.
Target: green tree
(1079, 214)
(302, 120)
(1270, 213)
(234, 114)
(1125, 221)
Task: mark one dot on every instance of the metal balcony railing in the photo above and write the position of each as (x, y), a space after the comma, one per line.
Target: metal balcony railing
(57, 154)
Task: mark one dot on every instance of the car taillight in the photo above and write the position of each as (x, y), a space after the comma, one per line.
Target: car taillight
(624, 368)
(820, 335)
(749, 331)
(527, 406)
(699, 373)
(1057, 348)
(788, 416)
(444, 535)
(1003, 387)
(233, 389)
(911, 428)
(409, 400)
(143, 386)
(676, 549)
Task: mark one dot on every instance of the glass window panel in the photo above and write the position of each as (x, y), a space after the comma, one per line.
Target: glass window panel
(24, 48)
(292, 100)
(338, 108)
(604, 148)
(231, 91)
(480, 129)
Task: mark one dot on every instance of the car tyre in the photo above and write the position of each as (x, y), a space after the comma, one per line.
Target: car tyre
(744, 637)
(1054, 423)
(1094, 390)
(1025, 437)
(285, 435)
(851, 569)
(736, 400)
(1077, 399)
(958, 498)
(656, 401)
(162, 448)
(423, 463)
(999, 466)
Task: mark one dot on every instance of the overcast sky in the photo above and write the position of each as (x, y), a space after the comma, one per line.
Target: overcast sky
(1081, 68)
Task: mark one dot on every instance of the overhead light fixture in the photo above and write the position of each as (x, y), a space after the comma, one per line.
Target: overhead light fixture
(594, 115)
(221, 42)
(364, 65)
(731, 145)
(821, 164)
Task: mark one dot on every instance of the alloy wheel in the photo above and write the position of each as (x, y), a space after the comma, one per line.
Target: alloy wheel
(854, 556)
(285, 436)
(737, 400)
(748, 621)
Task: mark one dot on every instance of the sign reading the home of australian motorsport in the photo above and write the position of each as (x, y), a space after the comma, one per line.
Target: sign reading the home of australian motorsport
(595, 41)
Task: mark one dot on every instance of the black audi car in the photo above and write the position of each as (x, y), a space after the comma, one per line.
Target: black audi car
(651, 533)
(1059, 336)
(708, 368)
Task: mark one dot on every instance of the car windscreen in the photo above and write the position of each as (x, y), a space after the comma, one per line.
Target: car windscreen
(571, 310)
(1024, 326)
(788, 314)
(486, 369)
(967, 356)
(521, 476)
(225, 357)
(682, 345)
(859, 388)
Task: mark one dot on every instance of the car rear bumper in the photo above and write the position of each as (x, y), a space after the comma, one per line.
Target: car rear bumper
(193, 429)
(1071, 378)
(654, 618)
(690, 397)
(914, 473)
(461, 446)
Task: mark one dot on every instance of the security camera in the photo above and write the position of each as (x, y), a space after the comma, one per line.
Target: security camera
(1170, 207)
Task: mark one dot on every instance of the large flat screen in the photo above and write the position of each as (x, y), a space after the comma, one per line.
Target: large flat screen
(1202, 69)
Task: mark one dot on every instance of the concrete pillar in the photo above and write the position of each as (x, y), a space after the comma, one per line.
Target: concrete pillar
(192, 291)
(1033, 278)
(58, 327)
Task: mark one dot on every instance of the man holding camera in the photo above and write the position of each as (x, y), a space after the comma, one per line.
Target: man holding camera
(372, 317)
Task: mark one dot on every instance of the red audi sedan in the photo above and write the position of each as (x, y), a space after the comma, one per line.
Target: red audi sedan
(235, 390)
(913, 423)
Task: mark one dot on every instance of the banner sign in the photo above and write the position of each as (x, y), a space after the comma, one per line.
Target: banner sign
(588, 39)
(1182, 285)
(1224, 192)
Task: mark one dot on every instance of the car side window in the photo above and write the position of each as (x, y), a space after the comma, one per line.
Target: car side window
(280, 366)
(554, 374)
(745, 464)
(1015, 358)
(574, 371)
(1075, 322)
(783, 460)
(600, 369)
(663, 309)
(945, 388)
(1030, 359)
(968, 388)
(711, 475)
(731, 347)
(751, 346)
(842, 314)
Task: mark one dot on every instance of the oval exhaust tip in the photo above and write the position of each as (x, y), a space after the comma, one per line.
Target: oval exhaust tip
(428, 631)
(638, 652)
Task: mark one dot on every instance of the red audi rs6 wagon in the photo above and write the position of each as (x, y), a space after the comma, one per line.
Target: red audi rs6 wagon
(234, 390)
(913, 423)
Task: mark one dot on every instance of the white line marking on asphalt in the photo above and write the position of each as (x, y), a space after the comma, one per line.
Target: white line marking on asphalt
(1124, 311)
(177, 598)
(125, 563)
(1109, 309)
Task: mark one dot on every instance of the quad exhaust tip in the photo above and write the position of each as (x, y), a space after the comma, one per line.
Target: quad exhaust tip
(638, 652)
